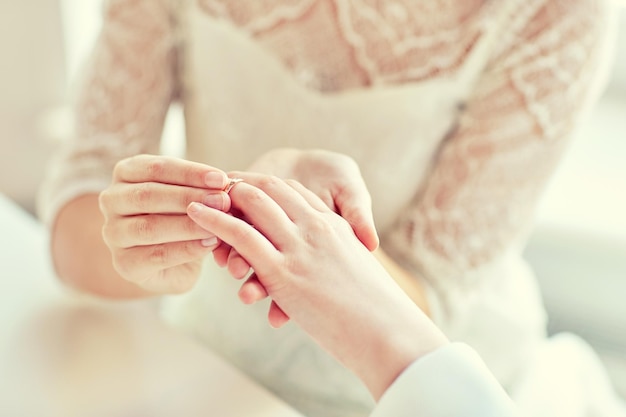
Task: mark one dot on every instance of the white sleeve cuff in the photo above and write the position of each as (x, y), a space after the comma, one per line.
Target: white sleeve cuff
(451, 381)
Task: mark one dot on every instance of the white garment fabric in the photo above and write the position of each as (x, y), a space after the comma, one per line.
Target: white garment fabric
(453, 381)
(449, 382)
(456, 112)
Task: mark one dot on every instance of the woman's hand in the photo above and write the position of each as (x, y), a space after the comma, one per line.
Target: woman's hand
(334, 177)
(316, 270)
(153, 242)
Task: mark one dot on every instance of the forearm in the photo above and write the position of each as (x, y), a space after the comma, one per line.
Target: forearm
(81, 258)
(405, 280)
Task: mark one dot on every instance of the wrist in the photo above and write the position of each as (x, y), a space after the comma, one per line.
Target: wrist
(393, 343)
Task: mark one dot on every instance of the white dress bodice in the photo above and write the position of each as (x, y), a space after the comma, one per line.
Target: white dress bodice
(457, 113)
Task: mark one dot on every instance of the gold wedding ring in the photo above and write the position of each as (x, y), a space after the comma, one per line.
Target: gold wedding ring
(231, 184)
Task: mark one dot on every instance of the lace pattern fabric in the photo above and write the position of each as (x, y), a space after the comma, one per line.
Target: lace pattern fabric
(121, 101)
(491, 171)
(386, 42)
(259, 16)
(469, 212)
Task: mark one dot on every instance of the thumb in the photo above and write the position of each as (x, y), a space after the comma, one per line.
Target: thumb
(355, 206)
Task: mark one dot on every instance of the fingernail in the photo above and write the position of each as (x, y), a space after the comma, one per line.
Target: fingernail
(215, 201)
(215, 180)
(195, 207)
(209, 241)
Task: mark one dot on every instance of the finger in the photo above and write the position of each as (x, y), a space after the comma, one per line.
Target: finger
(310, 197)
(277, 316)
(355, 205)
(142, 263)
(264, 214)
(252, 290)
(237, 266)
(169, 170)
(260, 253)
(289, 200)
(220, 255)
(152, 229)
(151, 197)
(178, 279)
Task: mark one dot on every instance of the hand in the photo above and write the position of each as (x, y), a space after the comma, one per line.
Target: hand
(153, 242)
(309, 261)
(335, 178)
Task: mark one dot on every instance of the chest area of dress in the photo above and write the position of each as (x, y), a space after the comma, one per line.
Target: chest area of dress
(336, 45)
(259, 75)
(241, 101)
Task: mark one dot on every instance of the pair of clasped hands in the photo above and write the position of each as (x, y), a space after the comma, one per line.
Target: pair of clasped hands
(164, 215)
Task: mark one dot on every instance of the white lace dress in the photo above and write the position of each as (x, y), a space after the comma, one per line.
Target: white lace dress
(456, 111)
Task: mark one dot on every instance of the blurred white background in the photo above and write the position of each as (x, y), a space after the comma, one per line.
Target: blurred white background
(578, 248)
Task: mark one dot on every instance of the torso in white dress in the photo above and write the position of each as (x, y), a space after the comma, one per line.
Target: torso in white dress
(456, 112)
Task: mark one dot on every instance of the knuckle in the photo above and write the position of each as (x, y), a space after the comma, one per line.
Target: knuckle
(120, 168)
(186, 197)
(294, 183)
(256, 197)
(191, 250)
(140, 159)
(189, 226)
(156, 167)
(269, 181)
(317, 229)
(104, 201)
(144, 227)
(295, 266)
(158, 254)
(108, 233)
(141, 195)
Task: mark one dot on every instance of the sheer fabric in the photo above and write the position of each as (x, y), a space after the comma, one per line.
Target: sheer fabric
(457, 113)
(482, 188)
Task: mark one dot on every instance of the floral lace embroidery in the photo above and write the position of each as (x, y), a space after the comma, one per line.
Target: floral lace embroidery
(490, 171)
(407, 40)
(259, 15)
(391, 42)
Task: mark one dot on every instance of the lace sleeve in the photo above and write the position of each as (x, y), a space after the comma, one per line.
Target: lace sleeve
(122, 100)
(480, 196)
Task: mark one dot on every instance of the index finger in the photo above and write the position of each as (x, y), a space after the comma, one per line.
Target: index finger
(169, 170)
(255, 248)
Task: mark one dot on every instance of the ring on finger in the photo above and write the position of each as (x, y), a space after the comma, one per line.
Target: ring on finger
(231, 184)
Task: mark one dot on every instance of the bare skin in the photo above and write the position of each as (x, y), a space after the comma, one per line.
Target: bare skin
(135, 240)
(309, 261)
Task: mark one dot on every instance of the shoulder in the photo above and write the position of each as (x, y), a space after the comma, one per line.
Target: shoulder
(545, 26)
